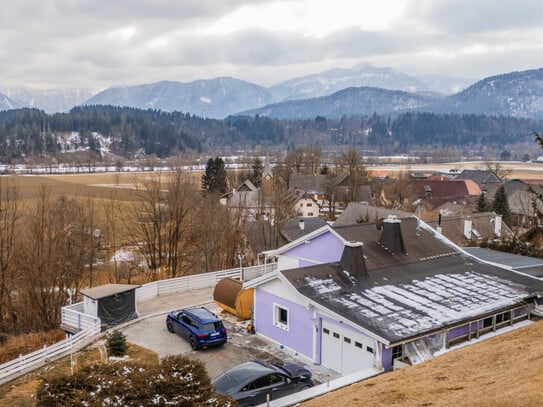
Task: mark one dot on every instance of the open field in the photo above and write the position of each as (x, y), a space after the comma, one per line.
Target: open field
(516, 169)
(85, 183)
(506, 370)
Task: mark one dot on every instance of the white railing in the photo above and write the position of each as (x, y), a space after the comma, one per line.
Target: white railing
(25, 363)
(198, 281)
(88, 326)
(74, 320)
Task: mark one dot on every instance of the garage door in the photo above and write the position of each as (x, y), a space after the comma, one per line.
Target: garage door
(344, 350)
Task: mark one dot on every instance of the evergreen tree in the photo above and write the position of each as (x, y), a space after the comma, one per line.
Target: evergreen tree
(214, 177)
(482, 204)
(256, 175)
(500, 204)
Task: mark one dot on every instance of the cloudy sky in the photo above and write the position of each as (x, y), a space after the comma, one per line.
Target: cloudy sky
(96, 44)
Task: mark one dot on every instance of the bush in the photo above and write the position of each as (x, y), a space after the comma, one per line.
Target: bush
(177, 381)
(13, 346)
(116, 344)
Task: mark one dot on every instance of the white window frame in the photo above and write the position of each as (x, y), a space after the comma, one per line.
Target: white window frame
(276, 316)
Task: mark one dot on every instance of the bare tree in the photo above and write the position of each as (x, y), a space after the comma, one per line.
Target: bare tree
(161, 220)
(294, 160)
(55, 240)
(112, 211)
(498, 169)
(9, 221)
(180, 203)
(218, 236)
(351, 161)
(312, 159)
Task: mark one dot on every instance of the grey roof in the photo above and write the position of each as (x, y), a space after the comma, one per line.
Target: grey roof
(315, 183)
(483, 222)
(107, 290)
(292, 230)
(356, 212)
(400, 303)
(481, 177)
(404, 296)
(421, 246)
(525, 264)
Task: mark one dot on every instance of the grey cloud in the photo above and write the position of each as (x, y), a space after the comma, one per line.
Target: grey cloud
(471, 16)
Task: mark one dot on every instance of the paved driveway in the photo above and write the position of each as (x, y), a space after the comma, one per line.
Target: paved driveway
(150, 332)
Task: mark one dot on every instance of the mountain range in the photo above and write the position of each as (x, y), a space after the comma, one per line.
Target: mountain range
(361, 90)
(49, 100)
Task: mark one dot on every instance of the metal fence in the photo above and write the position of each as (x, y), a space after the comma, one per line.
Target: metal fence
(88, 327)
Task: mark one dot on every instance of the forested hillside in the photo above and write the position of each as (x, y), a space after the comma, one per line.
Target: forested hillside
(103, 131)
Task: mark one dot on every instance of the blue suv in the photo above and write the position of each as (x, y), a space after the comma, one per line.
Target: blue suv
(201, 327)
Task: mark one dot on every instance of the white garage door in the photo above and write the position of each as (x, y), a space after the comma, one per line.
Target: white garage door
(344, 350)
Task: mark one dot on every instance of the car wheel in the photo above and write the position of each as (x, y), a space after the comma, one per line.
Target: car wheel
(169, 326)
(193, 343)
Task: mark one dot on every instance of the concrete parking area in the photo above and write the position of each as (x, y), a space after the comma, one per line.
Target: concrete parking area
(149, 331)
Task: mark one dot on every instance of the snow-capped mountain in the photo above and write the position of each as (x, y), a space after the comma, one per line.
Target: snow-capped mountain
(218, 98)
(518, 94)
(6, 103)
(215, 98)
(351, 101)
(328, 82)
(49, 100)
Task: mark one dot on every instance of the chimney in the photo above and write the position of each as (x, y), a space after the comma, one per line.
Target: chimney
(439, 227)
(467, 228)
(352, 260)
(301, 224)
(391, 236)
(498, 225)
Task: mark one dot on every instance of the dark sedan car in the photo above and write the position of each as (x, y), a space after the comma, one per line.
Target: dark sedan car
(250, 382)
(201, 327)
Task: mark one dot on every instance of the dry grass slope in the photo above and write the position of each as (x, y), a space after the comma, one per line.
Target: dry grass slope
(506, 370)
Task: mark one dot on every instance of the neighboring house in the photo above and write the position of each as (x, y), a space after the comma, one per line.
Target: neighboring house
(262, 235)
(472, 229)
(297, 227)
(306, 206)
(357, 212)
(248, 200)
(324, 188)
(521, 200)
(486, 179)
(383, 295)
(448, 189)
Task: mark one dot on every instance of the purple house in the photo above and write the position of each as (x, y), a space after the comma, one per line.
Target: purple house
(384, 295)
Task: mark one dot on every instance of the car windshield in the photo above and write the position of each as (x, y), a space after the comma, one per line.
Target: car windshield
(227, 382)
(211, 326)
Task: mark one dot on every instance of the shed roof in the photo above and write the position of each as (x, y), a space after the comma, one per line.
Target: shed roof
(107, 290)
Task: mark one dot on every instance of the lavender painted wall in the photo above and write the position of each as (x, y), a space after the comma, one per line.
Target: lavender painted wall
(325, 248)
(299, 337)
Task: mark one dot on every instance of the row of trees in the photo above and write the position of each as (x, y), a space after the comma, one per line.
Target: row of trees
(31, 133)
